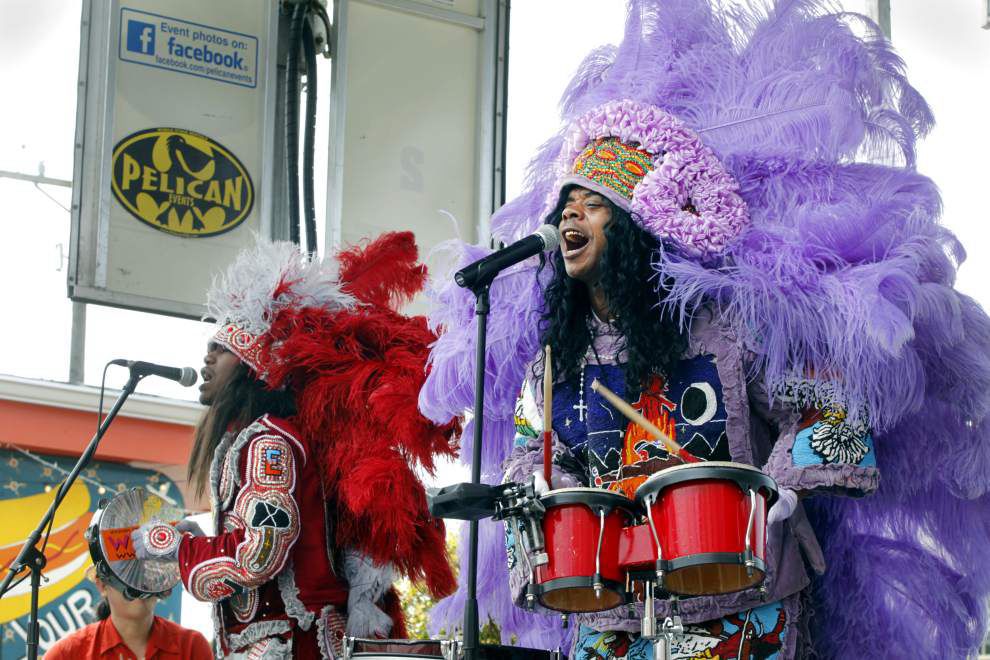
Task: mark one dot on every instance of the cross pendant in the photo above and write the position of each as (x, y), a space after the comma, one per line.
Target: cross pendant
(580, 408)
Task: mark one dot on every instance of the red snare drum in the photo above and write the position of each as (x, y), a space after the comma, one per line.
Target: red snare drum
(581, 529)
(709, 521)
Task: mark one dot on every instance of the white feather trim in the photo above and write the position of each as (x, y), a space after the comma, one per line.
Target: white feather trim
(245, 293)
(367, 582)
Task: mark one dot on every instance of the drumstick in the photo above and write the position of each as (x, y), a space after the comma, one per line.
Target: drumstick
(547, 414)
(637, 418)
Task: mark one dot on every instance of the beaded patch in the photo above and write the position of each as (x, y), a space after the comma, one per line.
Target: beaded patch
(267, 510)
(161, 540)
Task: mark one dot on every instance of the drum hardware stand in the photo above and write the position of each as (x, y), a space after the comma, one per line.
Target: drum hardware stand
(30, 557)
(520, 503)
(523, 510)
(662, 639)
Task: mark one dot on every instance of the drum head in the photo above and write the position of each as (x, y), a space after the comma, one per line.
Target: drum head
(591, 497)
(113, 551)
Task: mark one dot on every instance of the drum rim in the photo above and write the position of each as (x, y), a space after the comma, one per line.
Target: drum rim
(701, 464)
(579, 489)
(351, 643)
(621, 501)
(542, 654)
(682, 473)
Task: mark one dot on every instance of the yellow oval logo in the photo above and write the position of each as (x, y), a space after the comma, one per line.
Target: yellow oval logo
(181, 182)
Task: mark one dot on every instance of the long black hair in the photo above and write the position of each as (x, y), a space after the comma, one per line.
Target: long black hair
(652, 338)
(241, 401)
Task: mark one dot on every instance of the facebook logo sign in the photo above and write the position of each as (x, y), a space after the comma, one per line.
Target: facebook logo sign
(140, 37)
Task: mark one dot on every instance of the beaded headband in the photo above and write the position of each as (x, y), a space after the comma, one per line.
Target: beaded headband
(241, 343)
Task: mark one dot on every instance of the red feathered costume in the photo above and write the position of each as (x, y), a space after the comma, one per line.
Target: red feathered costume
(320, 512)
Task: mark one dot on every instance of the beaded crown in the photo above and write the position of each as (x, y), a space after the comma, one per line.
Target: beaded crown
(611, 167)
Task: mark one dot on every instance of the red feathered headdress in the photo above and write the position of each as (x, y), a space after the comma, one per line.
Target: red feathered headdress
(331, 333)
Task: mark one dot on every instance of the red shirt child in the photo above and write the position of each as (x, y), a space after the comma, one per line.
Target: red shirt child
(101, 640)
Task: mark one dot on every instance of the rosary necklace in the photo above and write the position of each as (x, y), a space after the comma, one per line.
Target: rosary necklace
(581, 407)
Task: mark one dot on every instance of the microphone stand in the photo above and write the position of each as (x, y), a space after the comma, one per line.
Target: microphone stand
(472, 632)
(30, 557)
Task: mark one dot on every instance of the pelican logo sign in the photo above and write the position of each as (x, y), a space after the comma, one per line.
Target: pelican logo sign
(181, 182)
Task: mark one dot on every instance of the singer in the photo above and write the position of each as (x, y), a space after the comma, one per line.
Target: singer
(308, 448)
(737, 263)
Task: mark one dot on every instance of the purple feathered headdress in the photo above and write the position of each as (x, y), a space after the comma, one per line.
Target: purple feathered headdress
(683, 195)
(833, 263)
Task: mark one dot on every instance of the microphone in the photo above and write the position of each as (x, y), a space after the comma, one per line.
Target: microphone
(185, 376)
(483, 271)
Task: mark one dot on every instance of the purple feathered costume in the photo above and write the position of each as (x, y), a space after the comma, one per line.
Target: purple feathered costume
(843, 269)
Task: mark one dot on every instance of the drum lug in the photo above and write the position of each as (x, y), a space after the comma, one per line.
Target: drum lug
(564, 621)
(448, 649)
(348, 647)
(661, 571)
(598, 585)
(531, 594)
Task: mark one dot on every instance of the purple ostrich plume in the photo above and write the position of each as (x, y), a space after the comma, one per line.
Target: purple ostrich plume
(843, 269)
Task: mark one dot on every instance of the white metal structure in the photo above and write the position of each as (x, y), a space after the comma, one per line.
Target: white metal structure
(206, 68)
(417, 118)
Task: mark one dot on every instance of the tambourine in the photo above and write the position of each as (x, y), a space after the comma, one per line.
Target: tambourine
(110, 545)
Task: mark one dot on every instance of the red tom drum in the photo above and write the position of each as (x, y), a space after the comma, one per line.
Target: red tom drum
(581, 528)
(708, 522)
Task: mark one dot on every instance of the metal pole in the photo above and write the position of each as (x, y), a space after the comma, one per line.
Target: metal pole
(471, 629)
(77, 345)
(30, 556)
(35, 178)
(879, 11)
(34, 628)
